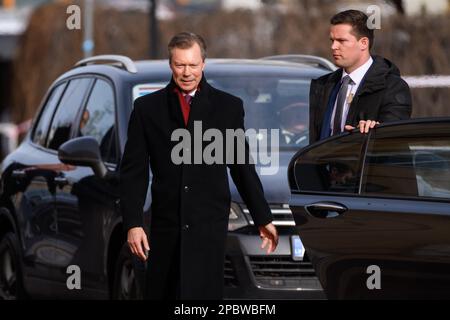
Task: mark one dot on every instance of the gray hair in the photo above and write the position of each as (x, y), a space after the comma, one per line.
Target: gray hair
(185, 40)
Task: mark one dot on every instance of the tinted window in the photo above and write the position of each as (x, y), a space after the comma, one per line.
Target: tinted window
(333, 166)
(409, 160)
(40, 131)
(274, 100)
(65, 115)
(97, 119)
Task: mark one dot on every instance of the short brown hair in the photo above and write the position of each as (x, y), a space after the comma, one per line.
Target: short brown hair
(185, 40)
(358, 20)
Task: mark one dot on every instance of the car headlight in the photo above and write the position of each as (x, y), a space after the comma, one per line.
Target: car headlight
(237, 218)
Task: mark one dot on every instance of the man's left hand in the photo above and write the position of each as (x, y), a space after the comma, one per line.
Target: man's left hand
(364, 126)
(269, 236)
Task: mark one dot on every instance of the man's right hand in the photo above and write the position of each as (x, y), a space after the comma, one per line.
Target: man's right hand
(137, 241)
(364, 126)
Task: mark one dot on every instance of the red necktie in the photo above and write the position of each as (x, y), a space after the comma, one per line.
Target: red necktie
(186, 107)
(185, 102)
(188, 98)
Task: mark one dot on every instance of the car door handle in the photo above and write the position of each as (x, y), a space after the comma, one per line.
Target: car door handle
(18, 174)
(61, 181)
(325, 210)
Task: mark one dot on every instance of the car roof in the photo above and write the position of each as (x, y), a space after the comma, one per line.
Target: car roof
(415, 121)
(160, 69)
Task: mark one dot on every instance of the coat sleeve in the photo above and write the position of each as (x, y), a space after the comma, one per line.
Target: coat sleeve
(397, 103)
(247, 181)
(134, 172)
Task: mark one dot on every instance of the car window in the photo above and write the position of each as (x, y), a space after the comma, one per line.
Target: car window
(41, 128)
(409, 161)
(65, 114)
(142, 89)
(97, 119)
(333, 166)
(271, 101)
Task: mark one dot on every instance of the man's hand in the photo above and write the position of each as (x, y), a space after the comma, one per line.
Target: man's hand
(137, 241)
(364, 126)
(269, 236)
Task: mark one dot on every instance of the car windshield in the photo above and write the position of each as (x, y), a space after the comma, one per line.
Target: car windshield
(273, 103)
(270, 102)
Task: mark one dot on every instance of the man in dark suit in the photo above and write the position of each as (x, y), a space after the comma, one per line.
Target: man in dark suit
(190, 202)
(365, 91)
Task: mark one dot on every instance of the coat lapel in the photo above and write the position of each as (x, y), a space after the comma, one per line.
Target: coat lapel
(371, 82)
(174, 105)
(200, 105)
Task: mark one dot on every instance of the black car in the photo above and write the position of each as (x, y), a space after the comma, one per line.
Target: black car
(373, 210)
(59, 196)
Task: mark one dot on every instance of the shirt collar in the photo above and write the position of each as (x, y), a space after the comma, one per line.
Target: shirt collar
(358, 74)
(192, 93)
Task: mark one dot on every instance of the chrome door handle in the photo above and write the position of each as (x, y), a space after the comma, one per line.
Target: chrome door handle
(325, 209)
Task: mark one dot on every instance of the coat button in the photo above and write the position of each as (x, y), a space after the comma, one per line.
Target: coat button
(186, 188)
(186, 227)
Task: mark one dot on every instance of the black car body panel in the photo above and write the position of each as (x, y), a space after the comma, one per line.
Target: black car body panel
(393, 216)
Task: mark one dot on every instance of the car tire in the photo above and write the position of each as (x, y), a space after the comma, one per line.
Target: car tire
(11, 276)
(126, 284)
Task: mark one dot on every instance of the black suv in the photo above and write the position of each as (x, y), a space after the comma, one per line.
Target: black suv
(59, 197)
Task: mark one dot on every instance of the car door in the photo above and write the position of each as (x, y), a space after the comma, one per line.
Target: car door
(45, 168)
(387, 238)
(31, 173)
(86, 203)
(30, 186)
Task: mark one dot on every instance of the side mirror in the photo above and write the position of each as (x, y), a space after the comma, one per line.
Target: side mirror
(83, 151)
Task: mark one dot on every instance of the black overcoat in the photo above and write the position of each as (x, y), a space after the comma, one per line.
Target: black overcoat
(190, 202)
(382, 95)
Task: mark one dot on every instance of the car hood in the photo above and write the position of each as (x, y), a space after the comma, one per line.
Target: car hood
(276, 186)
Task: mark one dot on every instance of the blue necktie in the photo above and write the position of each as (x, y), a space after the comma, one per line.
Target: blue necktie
(342, 95)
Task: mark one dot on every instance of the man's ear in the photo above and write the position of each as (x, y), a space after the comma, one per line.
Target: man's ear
(364, 43)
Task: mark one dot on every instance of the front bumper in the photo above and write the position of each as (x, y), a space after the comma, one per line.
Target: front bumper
(251, 273)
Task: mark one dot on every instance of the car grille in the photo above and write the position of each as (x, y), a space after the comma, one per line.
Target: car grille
(282, 215)
(230, 279)
(282, 271)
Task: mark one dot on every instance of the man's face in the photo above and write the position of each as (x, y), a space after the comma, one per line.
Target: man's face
(347, 50)
(187, 66)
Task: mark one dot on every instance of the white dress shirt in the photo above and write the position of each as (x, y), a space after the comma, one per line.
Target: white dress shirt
(192, 93)
(357, 75)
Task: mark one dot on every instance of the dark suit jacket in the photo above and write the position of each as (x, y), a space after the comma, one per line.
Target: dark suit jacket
(382, 95)
(190, 202)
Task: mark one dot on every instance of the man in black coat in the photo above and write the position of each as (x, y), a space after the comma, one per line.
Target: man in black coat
(190, 202)
(365, 91)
